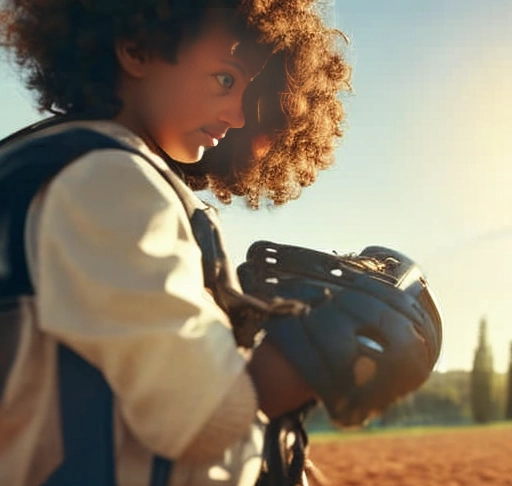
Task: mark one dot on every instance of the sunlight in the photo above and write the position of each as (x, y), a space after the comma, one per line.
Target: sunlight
(483, 147)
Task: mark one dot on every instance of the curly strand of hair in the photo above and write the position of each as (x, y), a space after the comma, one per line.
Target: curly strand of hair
(314, 113)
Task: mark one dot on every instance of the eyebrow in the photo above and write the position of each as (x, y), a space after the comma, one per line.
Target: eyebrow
(235, 64)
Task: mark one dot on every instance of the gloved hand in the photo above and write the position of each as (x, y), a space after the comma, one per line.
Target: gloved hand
(371, 331)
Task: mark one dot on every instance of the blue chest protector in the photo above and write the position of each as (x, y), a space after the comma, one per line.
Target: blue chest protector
(86, 402)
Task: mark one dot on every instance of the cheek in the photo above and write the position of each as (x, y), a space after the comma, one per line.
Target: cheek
(176, 103)
(158, 101)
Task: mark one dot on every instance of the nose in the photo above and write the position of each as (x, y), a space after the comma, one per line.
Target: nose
(233, 114)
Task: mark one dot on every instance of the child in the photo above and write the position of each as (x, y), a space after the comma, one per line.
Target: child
(240, 97)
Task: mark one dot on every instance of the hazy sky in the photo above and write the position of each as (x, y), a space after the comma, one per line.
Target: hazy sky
(425, 164)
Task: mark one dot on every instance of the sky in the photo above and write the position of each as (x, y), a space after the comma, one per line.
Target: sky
(424, 167)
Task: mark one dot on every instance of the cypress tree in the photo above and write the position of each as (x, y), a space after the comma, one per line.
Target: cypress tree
(508, 406)
(481, 378)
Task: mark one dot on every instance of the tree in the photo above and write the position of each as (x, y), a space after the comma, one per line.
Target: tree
(508, 406)
(482, 378)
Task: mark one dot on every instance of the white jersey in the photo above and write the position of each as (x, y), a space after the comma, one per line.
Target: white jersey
(119, 280)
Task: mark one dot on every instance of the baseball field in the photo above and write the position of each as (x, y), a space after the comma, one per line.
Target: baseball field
(469, 456)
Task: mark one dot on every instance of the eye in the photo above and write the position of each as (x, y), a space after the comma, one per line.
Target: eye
(225, 80)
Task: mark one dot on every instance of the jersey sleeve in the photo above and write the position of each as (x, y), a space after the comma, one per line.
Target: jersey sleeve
(119, 280)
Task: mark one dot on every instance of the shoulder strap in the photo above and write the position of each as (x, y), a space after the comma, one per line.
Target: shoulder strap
(24, 167)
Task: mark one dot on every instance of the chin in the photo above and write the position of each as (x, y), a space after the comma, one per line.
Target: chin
(186, 156)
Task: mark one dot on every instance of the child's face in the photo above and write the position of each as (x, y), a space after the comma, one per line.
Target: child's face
(187, 107)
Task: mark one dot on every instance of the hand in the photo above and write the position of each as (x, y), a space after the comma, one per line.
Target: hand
(372, 332)
(279, 386)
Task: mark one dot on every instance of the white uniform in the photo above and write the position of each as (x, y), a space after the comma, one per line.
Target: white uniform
(119, 280)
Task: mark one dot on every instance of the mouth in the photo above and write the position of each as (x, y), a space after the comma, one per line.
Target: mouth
(213, 137)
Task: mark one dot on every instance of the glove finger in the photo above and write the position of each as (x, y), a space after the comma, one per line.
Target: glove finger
(267, 286)
(326, 345)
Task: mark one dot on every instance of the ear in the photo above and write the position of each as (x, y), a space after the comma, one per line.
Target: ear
(132, 58)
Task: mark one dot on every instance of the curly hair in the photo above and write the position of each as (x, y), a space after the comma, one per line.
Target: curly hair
(292, 109)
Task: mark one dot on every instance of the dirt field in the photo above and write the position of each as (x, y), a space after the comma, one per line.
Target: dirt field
(468, 457)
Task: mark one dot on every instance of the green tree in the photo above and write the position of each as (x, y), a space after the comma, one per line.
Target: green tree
(508, 405)
(482, 378)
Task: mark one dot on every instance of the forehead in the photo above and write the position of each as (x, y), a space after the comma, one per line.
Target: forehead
(221, 39)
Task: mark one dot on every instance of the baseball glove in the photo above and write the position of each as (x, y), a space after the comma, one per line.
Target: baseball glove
(371, 329)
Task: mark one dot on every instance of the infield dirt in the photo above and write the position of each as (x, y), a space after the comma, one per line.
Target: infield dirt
(461, 457)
